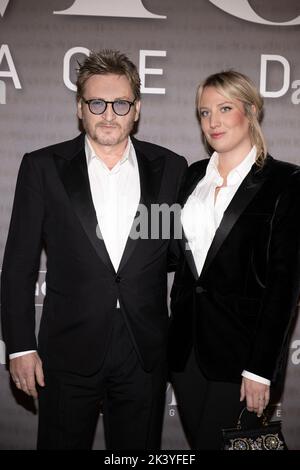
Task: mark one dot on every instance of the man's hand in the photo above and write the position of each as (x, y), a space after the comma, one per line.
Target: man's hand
(25, 371)
(257, 395)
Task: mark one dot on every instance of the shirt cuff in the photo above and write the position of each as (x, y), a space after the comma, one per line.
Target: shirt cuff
(257, 378)
(21, 353)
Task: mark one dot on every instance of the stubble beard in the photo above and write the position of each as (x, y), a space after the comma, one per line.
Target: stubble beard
(114, 137)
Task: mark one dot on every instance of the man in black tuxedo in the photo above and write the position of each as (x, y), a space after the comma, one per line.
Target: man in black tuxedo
(102, 336)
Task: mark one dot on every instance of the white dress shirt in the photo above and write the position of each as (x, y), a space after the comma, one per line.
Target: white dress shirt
(116, 196)
(202, 213)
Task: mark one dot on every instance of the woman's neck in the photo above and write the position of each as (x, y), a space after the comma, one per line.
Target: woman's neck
(228, 161)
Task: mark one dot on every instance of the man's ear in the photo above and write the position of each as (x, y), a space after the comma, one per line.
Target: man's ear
(79, 109)
(137, 110)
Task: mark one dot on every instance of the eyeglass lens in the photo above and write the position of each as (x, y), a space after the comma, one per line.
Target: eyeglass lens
(120, 107)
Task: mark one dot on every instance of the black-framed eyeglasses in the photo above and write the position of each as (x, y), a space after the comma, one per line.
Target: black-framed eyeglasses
(98, 106)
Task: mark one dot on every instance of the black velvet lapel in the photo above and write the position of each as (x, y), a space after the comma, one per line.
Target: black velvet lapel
(197, 172)
(189, 255)
(150, 171)
(246, 192)
(76, 182)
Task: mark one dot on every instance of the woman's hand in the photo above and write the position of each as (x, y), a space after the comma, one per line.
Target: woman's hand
(257, 395)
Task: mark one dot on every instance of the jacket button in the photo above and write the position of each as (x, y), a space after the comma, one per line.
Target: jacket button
(118, 279)
(200, 290)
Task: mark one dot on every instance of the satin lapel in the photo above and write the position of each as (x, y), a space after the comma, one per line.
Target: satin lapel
(187, 190)
(246, 192)
(76, 182)
(188, 255)
(150, 172)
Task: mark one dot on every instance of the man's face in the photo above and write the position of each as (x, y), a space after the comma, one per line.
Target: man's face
(108, 129)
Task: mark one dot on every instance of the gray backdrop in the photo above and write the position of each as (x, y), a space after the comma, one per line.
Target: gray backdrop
(176, 43)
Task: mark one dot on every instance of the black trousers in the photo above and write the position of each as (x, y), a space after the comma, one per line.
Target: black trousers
(205, 406)
(132, 401)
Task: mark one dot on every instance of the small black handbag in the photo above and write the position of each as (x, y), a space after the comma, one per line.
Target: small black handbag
(266, 436)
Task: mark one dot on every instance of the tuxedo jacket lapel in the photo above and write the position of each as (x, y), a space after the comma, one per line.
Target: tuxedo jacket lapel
(189, 186)
(150, 172)
(188, 255)
(246, 192)
(76, 182)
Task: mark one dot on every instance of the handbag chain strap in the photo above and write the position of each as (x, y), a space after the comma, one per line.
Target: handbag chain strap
(265, 420)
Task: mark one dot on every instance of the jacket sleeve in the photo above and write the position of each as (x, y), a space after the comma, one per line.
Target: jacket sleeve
(21, 260)
(282, 287)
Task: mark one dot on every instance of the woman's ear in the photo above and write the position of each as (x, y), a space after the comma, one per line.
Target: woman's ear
(253, 110)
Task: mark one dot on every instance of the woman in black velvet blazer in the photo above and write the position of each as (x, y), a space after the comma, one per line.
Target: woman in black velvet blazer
(236, 289)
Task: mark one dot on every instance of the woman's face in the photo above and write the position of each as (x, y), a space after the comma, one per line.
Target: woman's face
(224, 123)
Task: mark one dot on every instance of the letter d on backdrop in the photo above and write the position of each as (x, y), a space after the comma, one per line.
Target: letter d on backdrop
(265, 58)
